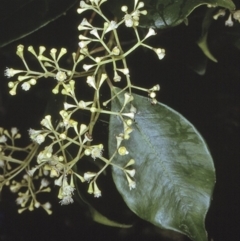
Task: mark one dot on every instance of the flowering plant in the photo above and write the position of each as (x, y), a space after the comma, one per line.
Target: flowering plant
(160, 163)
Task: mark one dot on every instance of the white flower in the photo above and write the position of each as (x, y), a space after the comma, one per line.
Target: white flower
(155, 88)
(44, 183)
(3, 138)
(67, 106)
(15, 187)
(97, 151)
(125, 71)
(122, 151)
(26, 86)
(41, 50)
(86, 67)
(127, 131)
(39, 139)
(83, 4)
(221, 12)
(130, 163)
(36, 136)
(60, 76)
(19, 52)
(66, 200)
(59, 181)
(130, 115)
(97, 192)
(95, 33)
(154, 101)
(89, 175)
(45, 155)
(31, 172)
(151, 32)
(128, 20)
(119, 139)
(46, 172)
(37, 204)
(62, 52)
(22, 200)
(84, 51)
(111, 26)
(132, 20)
(115, 51)
(152, 95)
(10, 72)
(91, 82)
(127, 98)
(83, 43)
(14, 131)
(84, 25)
(160, 52)
(133, 109)
(116, 78)
(236, 15)
(229, 21)
(33, 132)
(87, 152)
(87, 136)
(131, 172)
(47, 207)
(67, 190)
(46, 122)
(132, 185)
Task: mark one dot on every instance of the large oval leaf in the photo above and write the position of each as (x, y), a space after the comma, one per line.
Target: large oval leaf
(175, 174)
(21, 18)
(167, 13)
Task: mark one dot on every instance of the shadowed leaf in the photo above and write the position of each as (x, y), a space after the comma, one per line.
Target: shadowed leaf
(21, 18)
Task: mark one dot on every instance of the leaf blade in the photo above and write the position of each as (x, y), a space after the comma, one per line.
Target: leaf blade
(163, 145)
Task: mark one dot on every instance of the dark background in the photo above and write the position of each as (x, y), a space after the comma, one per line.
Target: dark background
(210, 101)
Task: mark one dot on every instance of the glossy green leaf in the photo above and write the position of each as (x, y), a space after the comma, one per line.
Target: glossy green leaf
(21, 18)
(167, 13)
(175, 174)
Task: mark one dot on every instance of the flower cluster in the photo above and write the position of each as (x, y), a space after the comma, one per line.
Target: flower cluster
(234, 15)
(59, 144)
(27, 200)
(10, 166)
(132, 19)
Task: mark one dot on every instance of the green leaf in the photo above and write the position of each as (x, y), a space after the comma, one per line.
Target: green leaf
(99, 218)
(175, 174)
(167, 13)
(21, 18)
(203, 45)
(202, 41)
